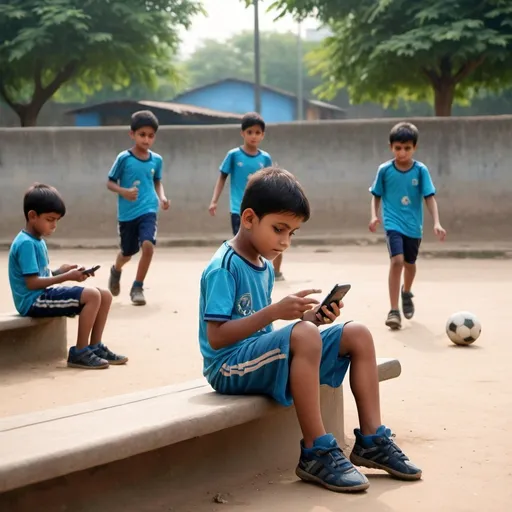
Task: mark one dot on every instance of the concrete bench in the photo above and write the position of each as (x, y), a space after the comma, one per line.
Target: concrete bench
(25, 339)
(158, 435)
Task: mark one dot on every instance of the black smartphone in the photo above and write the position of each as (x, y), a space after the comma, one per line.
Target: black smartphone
(91, 270)
(335, 295)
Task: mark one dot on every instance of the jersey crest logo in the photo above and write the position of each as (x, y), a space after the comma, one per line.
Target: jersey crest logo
(414, 182)
(240, 164)
(406, 201)
(244, 305)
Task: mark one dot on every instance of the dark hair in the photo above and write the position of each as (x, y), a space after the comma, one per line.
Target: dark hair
(274, 190)
(404, 132)
(143, 118)
(252, 119)
(43, 199)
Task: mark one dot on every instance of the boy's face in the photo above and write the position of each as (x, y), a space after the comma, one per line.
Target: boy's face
(403, 151)
(44, 224)
(253, 136)
(271, 235)
(144, 137)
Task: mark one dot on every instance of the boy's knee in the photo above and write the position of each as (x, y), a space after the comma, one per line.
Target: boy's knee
(397, 262)
(357, 338)
(105, 295)
(91, 296)
(306, 340)
(147, 248)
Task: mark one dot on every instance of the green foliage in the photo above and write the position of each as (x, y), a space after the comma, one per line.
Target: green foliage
(234, 58)
(387, 50)
(46, 43)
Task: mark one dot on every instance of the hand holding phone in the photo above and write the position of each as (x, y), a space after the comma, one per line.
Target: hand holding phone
(335, 295)
(90, 271)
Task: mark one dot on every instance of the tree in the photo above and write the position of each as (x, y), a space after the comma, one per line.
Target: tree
(436, 50)
(47, 43)
(234, 58)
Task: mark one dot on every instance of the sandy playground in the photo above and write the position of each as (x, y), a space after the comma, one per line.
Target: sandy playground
(451, 409)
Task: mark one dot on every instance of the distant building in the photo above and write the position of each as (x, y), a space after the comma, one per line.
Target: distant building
(115, 113)
(277, 106)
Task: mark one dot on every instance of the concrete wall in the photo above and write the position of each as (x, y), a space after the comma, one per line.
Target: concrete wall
(469, 158)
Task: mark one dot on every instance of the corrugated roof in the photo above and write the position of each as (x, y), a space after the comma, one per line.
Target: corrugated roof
(320, 104)
(177, 108)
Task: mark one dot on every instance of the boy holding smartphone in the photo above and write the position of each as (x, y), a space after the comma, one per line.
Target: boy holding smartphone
(34, 289)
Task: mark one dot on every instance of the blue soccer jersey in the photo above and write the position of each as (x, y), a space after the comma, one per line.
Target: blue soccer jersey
(402, 194)
(28, 256)
(231, 288)
(130, 171)
(239, 165)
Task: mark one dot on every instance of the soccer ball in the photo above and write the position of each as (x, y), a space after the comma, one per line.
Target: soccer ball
(463, 328)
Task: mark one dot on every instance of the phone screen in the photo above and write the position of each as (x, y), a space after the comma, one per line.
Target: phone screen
(337, 293)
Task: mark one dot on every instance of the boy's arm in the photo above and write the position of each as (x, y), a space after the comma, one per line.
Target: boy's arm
(217, 191)
(35, 282)
(434, 211)
(223, 334)
(114, 177)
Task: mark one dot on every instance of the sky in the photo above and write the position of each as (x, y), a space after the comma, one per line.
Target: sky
(227, 17)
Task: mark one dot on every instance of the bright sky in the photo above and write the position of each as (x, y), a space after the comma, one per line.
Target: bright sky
(227, 17)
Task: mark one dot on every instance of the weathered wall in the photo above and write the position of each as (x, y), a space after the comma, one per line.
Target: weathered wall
(469, 158)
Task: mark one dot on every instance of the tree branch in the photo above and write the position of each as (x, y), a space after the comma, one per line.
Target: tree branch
(468, 68)
(62, 76)
(431, 76)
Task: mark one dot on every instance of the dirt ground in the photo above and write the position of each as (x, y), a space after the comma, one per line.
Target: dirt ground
(451, 409)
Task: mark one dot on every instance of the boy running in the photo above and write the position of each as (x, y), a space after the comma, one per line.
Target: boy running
(136, 177)
(402, 184)
(239, 164)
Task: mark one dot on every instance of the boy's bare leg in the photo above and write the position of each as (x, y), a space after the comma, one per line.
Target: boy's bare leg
(395, 274)
(306, 353)
(101, 317)
(91, 300)
(148, 250)
(364, 379)
(409, 275)
(121, 261)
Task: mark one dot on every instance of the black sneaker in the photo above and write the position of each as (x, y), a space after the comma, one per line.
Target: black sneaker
(326, 465)
(86, 360)
(407, 304)
(104, 352)
(383, 454)
(394, 320)
(114, 282)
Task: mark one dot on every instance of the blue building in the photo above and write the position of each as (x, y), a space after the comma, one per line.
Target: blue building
(277, 106)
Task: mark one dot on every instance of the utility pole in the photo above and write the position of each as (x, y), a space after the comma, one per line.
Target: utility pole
(300, 84)
(257, 63)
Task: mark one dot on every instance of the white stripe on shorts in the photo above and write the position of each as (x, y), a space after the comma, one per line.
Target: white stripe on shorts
(253, 365)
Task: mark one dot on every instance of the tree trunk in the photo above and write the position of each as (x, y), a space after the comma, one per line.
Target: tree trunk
(28, 114)
(444, 92)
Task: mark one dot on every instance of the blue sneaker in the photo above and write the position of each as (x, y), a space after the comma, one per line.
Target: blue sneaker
(379, 451)
(326, 465)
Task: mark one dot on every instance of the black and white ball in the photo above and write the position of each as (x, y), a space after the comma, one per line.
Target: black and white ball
(463, 328)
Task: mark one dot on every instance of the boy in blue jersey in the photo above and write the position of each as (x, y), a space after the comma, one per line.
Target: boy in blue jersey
(34, 289)
(239, 164)
(136, 177)
(401, 185)
(243, 354)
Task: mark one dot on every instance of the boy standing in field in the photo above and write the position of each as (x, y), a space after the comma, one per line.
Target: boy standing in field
(239, 164)
(136, 177)
(402, 184)
(34, 289)
(244, 355)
